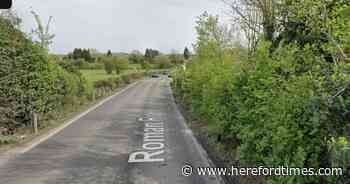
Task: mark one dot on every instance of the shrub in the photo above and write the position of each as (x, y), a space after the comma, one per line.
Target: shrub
(92, 66)
(27, 78)
(30, 82)
(120, 64)
(279, 107)
(116, 82)
(162, 62)
(108, 65)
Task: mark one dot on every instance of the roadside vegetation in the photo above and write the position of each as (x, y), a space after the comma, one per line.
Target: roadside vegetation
(284, 100)
(35, 84)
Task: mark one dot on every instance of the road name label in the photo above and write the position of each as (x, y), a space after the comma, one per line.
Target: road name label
(153, 142)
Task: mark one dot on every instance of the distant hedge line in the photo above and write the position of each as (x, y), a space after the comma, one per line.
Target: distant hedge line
(108, 85)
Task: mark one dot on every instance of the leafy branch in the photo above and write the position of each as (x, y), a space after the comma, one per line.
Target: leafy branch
(42, 32)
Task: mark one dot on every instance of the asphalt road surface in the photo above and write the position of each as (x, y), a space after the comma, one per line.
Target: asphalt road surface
(137, 137)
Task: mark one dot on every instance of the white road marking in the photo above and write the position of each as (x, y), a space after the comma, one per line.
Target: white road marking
(153, 142)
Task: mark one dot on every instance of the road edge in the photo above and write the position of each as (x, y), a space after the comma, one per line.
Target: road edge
(38, 140)
(191, 137)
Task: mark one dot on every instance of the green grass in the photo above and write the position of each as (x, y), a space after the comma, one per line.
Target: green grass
(135, 66)
(96, 75)
(7, 140)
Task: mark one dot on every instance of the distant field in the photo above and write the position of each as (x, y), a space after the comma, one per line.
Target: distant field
(96, 75)
(135, 66)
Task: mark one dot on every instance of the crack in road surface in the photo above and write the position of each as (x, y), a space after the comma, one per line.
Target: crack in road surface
(137, 137)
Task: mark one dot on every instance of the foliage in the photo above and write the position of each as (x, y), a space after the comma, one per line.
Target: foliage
(176, 59)
(81, 54)
(285, 108)
(136, 58)
(120, 64)
(92, 66)
(92, 75)
(11, 16)
(146, 66)
(29, 83)
(109, 53)
(108, 65)
(321, 23)
(118, 81)
(150, 54)
(187, 53)
(43, 32)
(162, 62)
(340, 153)
(117, 64)
(32, 81)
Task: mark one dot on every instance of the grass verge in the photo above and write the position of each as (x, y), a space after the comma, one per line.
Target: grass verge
(53, 120)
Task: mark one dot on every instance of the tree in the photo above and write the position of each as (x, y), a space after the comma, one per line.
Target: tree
(209, 29)
(256, 14)
(320, 23)
(187, 53)
(146, 66)
(162, 61)
(108, 64)
(109, 53)
(136, 57)
(79, 62)
(29, 83)
(87, 56)
(212, 37)
(324, 25)
(12, 16)
(120, 64)
(150, 54)
(176, 59)
(93, 51)
(81, 54)
(43, 33)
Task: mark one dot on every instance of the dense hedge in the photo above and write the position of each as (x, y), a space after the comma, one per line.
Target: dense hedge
(28, 82)
(286, 109)
(32, 82)
(115, 82)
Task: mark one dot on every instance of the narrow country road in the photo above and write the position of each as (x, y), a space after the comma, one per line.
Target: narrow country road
(137, 137)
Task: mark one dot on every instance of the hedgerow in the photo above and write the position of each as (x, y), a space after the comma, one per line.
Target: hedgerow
(289, 107)
(283, 109)
(31, 82)
(28, 81)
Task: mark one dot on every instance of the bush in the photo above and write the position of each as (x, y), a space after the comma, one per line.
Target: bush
(279, 107)
(108, 65)
(283, 105)
(28, 80)
(120, 64)
(115, 63)
(92, 66)
(30, 83)
(162, 62)
(116, 82)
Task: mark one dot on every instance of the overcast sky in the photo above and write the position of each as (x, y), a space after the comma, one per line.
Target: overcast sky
(119, 25)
